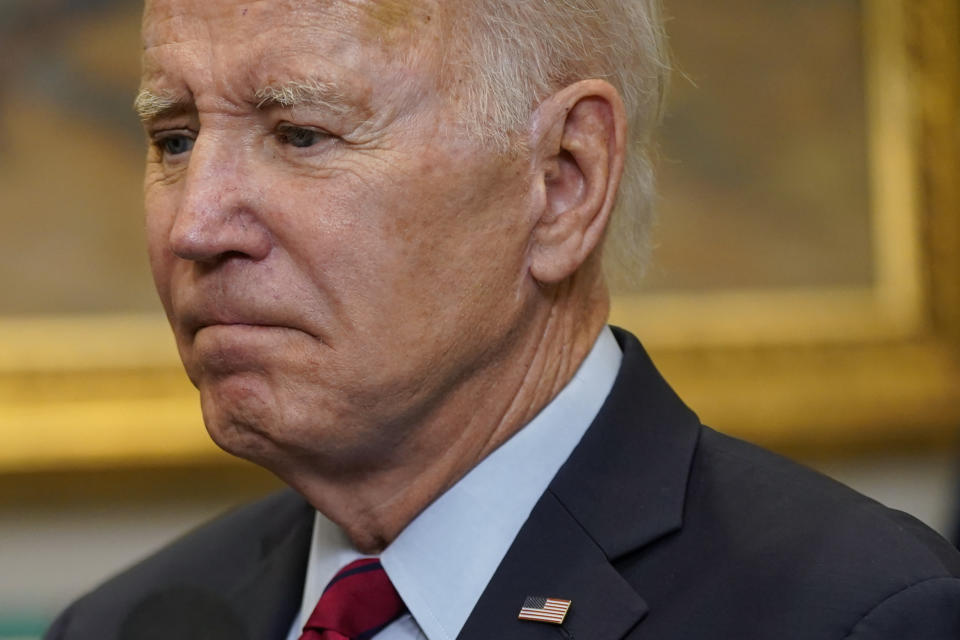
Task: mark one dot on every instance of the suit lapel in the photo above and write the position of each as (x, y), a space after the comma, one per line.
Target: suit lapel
(622, 488)
(268, 597)
(554, 557)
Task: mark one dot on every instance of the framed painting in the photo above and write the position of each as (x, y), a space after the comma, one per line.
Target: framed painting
(805, 294)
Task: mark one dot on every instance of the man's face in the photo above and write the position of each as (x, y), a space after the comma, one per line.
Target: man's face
(335, 258)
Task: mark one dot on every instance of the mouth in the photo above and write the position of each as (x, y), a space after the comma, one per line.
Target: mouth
(241, 326)
(248, 332)
(192, 323)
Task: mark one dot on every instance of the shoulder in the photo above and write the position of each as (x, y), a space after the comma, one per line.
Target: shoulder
(927, 610)
(803, 555)
(212, 559)
(770, 498)
(722, 538)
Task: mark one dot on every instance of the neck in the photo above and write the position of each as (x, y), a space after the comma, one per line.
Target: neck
(375, 505)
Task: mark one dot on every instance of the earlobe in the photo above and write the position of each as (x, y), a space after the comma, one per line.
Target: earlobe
(578, 149)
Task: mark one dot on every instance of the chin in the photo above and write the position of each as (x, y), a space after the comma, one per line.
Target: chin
(237, 420)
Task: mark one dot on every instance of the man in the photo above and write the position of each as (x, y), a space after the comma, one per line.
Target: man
(376, 227)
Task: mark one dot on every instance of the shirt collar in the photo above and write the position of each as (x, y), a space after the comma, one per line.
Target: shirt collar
(442, 561)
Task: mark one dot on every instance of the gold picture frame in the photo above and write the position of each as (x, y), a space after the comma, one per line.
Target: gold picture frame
(798, 370)
(825, 369)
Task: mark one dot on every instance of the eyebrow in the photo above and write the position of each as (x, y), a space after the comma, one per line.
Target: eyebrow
(311, 93)
(151, 105)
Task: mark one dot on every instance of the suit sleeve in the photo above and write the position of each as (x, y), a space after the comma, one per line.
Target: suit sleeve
(928, 610)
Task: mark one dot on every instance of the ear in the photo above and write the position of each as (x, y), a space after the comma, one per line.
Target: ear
(578, 145)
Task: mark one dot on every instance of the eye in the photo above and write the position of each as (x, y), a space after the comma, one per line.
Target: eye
(177, 145)
(174, 143)
(300, 137)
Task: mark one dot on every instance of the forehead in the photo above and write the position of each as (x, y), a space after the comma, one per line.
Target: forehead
(259, 33)
(377, 18)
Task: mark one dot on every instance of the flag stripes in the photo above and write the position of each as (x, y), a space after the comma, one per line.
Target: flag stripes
(539, 609)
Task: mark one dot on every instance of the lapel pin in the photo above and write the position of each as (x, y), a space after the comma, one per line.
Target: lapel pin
(539, 609)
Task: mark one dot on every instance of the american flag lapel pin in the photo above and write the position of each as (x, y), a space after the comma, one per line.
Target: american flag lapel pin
(539, 609)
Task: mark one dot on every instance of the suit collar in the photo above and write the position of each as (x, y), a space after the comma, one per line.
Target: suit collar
(622, 488)
(626, 481)
(443, 560)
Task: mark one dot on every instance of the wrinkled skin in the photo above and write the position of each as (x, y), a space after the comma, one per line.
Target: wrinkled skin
(348, 282)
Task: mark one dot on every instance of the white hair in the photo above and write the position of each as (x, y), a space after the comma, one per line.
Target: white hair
(518, 52)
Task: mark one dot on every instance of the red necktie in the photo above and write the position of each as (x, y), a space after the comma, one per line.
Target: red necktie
(358, 602)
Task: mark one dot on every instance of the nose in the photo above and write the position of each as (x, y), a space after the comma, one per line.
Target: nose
(219, 213)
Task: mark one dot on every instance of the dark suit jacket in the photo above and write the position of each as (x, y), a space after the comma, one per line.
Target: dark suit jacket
(656, 527)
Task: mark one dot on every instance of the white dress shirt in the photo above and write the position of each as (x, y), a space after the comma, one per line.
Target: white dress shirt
(442, 561)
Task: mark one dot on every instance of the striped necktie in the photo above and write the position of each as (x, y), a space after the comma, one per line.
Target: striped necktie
(358, 602)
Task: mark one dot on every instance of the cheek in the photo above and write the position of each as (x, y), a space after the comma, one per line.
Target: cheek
(157, 224)
(157, 203)
(342, 232)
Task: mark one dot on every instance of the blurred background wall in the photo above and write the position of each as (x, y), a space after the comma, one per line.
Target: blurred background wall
(805, 290)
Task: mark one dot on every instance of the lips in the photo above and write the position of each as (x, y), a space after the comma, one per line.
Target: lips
(195, 327)
(193, 320)
(222, 298)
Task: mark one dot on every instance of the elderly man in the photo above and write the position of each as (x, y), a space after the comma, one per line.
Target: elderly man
(376, 228)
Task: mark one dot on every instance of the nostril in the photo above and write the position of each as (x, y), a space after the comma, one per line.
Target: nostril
(211, 236)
